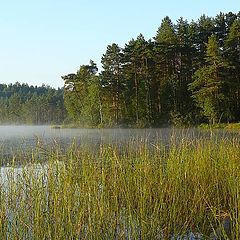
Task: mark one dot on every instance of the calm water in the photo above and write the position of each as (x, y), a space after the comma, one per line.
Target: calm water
(15, 138)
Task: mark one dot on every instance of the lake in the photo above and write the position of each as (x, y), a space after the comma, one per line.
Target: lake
(15, 134)
(19, 138)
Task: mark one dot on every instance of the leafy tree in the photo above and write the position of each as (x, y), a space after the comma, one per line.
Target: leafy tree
(77, 93)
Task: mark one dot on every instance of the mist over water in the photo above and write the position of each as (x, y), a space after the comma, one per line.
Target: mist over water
(20, 138)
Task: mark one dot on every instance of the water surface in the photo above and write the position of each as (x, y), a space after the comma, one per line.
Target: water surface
(19, 138)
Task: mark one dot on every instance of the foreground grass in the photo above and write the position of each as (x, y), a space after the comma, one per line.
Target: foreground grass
(135, 193)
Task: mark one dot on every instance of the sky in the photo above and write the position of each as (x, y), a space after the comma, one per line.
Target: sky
(42, 40)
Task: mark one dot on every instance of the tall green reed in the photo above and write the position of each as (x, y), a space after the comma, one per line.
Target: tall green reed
(136, 192)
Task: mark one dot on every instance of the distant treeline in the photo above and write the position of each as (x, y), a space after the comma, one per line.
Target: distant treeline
(189, 73)
(24, 104)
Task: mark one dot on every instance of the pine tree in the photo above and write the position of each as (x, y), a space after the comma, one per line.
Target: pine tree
(166, 71)
(112, 82)
(208, 82)
(232, 53)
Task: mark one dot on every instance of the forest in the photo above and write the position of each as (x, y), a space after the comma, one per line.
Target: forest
(187, 74)
(24, 104)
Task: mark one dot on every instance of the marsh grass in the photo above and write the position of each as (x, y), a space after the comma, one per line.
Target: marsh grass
(226, 126)
(136, 192)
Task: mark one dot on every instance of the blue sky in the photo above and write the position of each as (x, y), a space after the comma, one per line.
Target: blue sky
(40, 40)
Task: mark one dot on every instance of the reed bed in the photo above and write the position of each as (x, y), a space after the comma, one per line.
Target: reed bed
(136, 192)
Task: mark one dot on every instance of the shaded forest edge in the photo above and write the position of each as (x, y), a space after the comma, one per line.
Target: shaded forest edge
(187, 74)
(24, 104)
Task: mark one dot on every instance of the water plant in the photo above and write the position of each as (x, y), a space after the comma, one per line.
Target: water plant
(132, 192)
